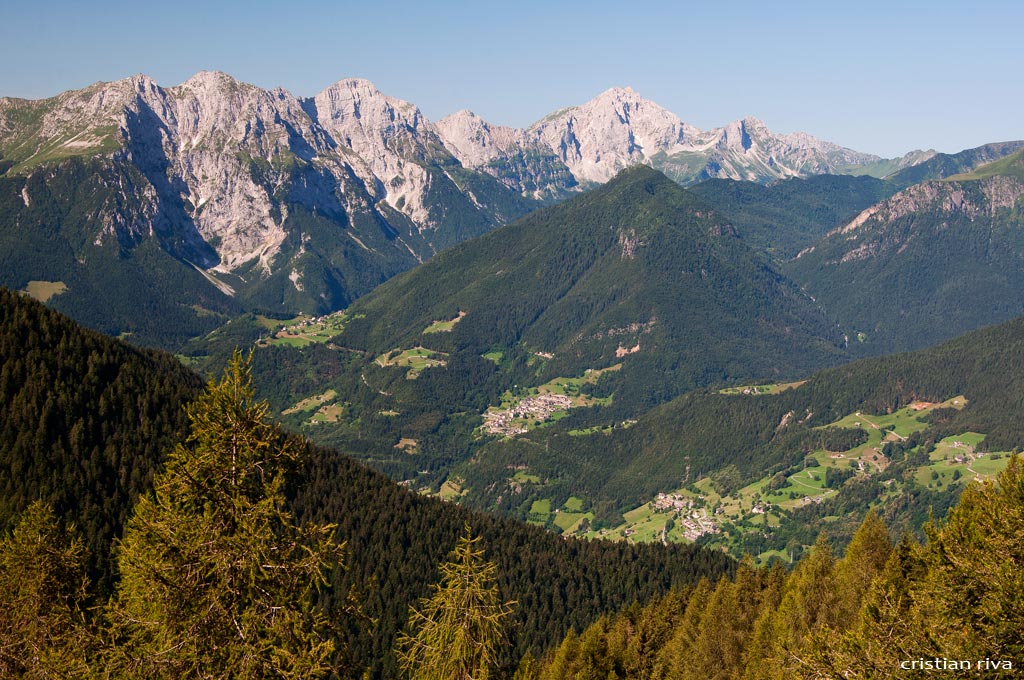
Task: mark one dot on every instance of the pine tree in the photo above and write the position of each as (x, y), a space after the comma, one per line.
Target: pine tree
(888, 629)
(455, 634)
(836, 649)
(676, 655)
(216, 581)
(973, 593)
(529, 668)
(43, 632)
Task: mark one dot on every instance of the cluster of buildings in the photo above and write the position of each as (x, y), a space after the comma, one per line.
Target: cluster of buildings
(694, 523)
(510, 422)
(672, 501)
(697, 524)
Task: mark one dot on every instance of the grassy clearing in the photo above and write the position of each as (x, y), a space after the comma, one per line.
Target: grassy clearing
(524, 477)
(644, 524)
(571, 521)
(540, 512)
(417, 360)
(769, 554)
(408, 445)
(310, 403)
(494, 356)
(328, 413)
(570, 387)
(303, 331)
(956, 460)
(452, 489)
(191, 362)
(44, 290)
(601, 429)
(573, 504)
(444, 326)
(759, 390)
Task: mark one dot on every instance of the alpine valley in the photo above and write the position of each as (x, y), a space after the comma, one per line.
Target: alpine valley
(617, 349)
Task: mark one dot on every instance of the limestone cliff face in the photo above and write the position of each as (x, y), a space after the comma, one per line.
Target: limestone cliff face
(515, 157)
(972, 200)
(226, 163)
(619, 128)
(390, 139)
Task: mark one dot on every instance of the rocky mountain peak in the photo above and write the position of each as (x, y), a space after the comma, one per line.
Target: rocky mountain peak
(754, 125)
(385, 134)
(139, 82)
(736, 136)
(356, 98)
(212, 81)
(615, 130)
(474, 141)
(618, 94)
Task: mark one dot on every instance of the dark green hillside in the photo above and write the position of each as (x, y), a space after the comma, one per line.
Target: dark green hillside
(636, 262)
(944, 165)
(84, 421)
(87, 421)
(787, 216)
(395, 538)
(935, 260)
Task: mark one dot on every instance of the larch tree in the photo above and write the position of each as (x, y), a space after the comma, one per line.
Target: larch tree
(43, 632)
(216, 580)
(456, 633)
(973, 592)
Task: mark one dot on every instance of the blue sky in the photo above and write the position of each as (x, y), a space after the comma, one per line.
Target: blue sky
(880, 77)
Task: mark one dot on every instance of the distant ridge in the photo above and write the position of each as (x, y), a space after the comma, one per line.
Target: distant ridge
(937, 259)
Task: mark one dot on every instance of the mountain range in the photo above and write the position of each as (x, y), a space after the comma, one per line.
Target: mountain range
(619, 128)
(562, 278)
(260, 200)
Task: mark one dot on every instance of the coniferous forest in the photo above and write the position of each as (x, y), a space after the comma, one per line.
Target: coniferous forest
(203, 541)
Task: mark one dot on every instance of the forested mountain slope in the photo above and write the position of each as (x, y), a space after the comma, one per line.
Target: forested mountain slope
(813, 456)
(790, 215)
(636, 292)
(937, 259)
(88, 420)
(84, 421)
